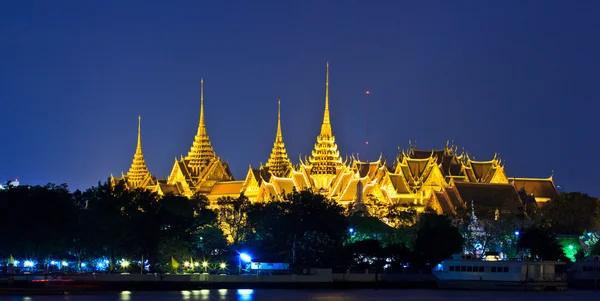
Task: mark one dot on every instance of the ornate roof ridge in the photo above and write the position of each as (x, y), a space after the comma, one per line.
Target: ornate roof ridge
(530, 179)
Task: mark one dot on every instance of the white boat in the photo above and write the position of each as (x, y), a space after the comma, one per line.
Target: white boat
(492, 273)
(586, 274)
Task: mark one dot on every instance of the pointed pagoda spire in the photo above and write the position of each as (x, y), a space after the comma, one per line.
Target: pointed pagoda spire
(201, 151)
(279, 163)
(138, 149)
(325, 157)
(138, 172)
(326, 126)
(201, 125)
(278, 137)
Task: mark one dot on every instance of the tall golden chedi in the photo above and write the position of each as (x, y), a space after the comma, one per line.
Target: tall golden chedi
(325, 162)
(201, 169)
(279, 163)
(138, 175)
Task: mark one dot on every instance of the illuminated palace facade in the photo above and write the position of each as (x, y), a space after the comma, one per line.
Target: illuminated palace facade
(444, 180)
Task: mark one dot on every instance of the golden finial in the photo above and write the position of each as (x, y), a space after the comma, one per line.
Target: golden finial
(279, 136)
(327, 93)
(138, 150)
(202, 126)
(326, 127)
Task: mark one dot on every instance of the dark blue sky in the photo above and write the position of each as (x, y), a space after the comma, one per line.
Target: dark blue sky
(515, 77)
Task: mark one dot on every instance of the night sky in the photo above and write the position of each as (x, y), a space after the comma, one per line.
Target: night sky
(515, 77)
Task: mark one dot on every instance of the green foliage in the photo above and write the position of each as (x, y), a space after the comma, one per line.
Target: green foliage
(580, 255)
(37, 221)
(595, 250)
(209, 240)
(570, 246)
(541, 244)
(573, 213)
(436, 239)
(305, 229)
(231, 217)
(366, 253)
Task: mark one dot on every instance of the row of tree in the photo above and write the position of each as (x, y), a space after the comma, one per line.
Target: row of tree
(305, 229)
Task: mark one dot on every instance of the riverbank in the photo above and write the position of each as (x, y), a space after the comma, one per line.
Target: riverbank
(158, 282)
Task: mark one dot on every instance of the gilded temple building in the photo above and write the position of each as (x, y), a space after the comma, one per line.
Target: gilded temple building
(445, 180)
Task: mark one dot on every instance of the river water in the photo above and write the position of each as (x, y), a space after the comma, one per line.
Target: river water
(319, 295)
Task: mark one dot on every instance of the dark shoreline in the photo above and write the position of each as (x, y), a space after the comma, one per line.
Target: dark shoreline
(97, 287)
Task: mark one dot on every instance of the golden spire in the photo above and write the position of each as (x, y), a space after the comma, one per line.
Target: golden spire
(138, 172)
(201, 151)
(325, 157)
(279, 163)
(138, 149)
(326, 127)
(278, 137)
(201, 125)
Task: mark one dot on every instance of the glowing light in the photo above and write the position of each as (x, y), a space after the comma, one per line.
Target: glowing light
(245, 294)
(223, 265)
(28, 263)
(205, 264)
(186, 264)
(223, 291)
(16, 262)
(65, 264)
(53, 262)
(351, 230)
(100, 265)
(368, 92)
(196, 263)
(570, 247)
(517, 233)
(125, 296)
(83, 264)
(124, 263)
(245, 257)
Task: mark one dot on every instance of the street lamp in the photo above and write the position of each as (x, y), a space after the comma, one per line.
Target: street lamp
(243, 257)
(205, 265)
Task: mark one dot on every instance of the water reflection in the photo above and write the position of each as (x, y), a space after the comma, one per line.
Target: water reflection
(125, 296)
(245, 294)
(310, 295)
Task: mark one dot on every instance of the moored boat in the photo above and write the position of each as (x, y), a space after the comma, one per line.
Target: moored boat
(585, 274)
(492, 273)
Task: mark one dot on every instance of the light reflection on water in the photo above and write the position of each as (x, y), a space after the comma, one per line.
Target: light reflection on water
(316, 295)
